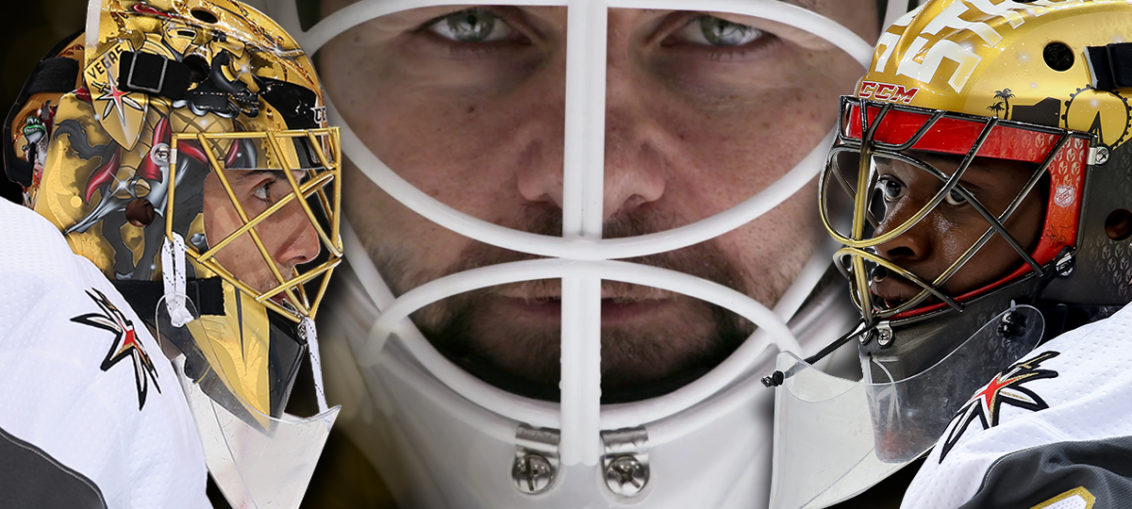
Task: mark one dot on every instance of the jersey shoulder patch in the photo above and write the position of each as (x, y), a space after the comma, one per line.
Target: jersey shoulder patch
(1005, 388)
(125, 344)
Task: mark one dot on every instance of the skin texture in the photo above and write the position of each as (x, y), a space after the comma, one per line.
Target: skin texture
(936, 242)
(693, 127)
(288, 235)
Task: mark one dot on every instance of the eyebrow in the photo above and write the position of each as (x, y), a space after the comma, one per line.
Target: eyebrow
(248, 173)
(809, 4)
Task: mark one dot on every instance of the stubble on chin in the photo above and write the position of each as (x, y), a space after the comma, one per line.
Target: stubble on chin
(644, 359)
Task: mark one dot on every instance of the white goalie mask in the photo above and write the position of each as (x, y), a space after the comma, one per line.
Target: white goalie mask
(577, 233)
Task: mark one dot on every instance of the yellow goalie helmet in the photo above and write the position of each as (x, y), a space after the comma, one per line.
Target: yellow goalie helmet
(1005, 81)
(978, 185)
(1018, 112)
(182, 146)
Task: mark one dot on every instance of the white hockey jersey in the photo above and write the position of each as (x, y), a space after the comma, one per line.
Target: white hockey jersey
(1052, 431)
(91, 412)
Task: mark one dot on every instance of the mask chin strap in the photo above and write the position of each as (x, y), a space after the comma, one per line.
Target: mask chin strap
(308, 333)
(173, 274)
(775, 379)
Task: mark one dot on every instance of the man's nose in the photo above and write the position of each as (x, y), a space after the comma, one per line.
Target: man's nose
(636, 148)
(912, 245)
(300, 242)
(639, 144)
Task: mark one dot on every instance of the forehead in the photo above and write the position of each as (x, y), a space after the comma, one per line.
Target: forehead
(983, 169)
(832, 8)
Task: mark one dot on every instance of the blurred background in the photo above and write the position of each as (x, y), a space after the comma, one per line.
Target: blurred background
(28, 29)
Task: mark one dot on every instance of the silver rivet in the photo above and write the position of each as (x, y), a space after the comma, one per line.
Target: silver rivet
(1064, 265)
(198, 241)
(532, 473)
(626, 476)
(884, 336)
(1101, 155)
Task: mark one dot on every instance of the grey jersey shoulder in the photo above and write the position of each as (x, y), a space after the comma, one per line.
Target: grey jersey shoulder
(1086, 474)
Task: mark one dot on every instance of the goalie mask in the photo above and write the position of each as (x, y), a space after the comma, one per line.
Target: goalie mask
(189, 158)
(978, 185)
(570, 218)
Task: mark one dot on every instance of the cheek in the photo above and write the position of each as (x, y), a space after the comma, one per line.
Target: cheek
(463, 149)
(734, 149)
(770, 251)
(419, 249)
(220, 220)
(220, 217)
(725, 159)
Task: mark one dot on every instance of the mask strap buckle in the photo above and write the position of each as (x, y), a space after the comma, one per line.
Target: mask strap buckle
(173, 275)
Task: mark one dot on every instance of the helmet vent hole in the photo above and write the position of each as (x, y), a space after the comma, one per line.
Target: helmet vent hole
(1023, 1)
(1058, 56)
(204, 16)
(139, 212)
(1118, 224)
(198, 68)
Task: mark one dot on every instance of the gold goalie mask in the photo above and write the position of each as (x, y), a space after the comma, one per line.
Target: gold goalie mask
(182, 147)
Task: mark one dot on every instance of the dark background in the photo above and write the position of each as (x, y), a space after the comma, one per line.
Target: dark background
(28, 29)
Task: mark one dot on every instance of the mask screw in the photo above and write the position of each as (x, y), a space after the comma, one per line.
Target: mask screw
(625, 462)
(1098, 155)
(532, 473)
(884, 334)
(1011, 325)
(198, 241)
(626, 476)
(536, 459)
(1064, 265)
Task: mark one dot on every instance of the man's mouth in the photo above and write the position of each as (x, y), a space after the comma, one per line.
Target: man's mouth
(619, 302)
(888, 290)
(892, 292)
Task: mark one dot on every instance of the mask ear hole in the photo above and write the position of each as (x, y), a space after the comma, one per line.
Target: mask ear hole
(1058, 56)
(1118, 224)
(204, 16)
(139, 212)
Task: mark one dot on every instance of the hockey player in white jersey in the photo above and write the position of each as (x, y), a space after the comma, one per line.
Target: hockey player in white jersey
(188, 193)
(568, 219)
(979, 184)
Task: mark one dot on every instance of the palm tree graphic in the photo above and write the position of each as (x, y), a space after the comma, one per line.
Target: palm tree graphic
(1005, 94)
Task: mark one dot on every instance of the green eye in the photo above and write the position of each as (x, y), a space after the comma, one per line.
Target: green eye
(720, 32)
(470, 25)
